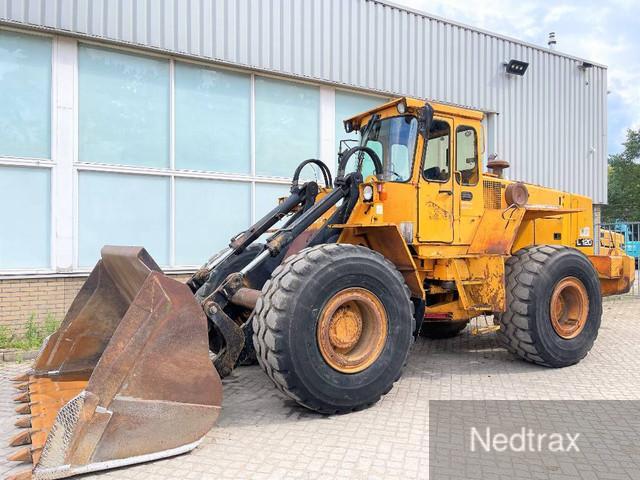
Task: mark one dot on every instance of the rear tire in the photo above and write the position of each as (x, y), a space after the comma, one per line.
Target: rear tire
(288, 327)
(537, 326)
(440, 330)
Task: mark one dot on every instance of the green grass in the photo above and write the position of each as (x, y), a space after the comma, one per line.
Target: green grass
(33, 335)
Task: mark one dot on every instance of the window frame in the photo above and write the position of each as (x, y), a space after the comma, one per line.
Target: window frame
(170, 102)
(424, 153)
(476, 152)
(276, 79)
(173, 67)
(50, 163)
(66, 168)
(252, 178)
(39, 161)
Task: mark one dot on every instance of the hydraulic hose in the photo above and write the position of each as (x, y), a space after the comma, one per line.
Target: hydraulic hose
(346, 156)
(326, 173)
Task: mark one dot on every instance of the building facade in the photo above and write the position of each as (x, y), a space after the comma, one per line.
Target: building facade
(174, 124)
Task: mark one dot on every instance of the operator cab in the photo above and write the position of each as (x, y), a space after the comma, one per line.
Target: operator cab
(433, 148)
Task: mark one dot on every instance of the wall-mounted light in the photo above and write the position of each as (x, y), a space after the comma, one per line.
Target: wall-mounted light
(516, 67)
(583, 67)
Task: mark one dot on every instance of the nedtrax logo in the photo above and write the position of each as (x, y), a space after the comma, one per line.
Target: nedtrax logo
(526, 440)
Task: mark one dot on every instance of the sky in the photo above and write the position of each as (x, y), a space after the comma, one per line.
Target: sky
(605, 32)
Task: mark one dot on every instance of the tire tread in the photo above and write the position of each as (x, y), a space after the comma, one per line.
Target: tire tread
(521, 272)
(270, 341)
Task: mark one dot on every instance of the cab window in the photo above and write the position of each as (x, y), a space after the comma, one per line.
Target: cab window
(437, 164)
(394, 140)
(467, 155)
(363, 163)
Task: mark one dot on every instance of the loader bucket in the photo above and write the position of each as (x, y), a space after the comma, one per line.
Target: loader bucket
(125, 379)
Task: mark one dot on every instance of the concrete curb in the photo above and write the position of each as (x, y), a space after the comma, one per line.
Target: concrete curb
(10, 355)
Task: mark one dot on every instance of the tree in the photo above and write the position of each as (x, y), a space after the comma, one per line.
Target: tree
(624, 182)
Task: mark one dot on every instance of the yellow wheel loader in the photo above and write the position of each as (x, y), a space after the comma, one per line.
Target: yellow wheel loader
(412, 238)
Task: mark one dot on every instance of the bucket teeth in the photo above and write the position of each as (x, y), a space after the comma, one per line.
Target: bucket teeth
(23, 475)
(21, 455)
(22, 398)
(24, 422)
(22, 438)
(21, 378)
(24, 386)
(23, 409)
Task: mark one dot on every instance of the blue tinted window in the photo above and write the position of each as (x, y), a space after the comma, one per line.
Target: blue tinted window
(120, 209)
(25, 213)
(123, 108)
(25, 95)
(287, 125)
(213, 119)
(267, 195)
(208, 214)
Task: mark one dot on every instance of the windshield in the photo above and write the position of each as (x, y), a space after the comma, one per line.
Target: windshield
(394, 140)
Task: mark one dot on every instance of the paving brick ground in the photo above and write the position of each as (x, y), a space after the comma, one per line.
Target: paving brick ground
(263, 435)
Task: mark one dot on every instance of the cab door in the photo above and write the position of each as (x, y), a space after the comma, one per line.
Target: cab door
(468, 195)
(435, 186)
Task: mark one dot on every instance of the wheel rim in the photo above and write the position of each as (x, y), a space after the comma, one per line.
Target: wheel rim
(569, 307)
(352, 330)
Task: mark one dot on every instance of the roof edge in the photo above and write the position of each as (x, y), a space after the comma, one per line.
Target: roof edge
(499, 36)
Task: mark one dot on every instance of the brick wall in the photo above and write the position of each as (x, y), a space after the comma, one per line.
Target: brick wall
(22, 298)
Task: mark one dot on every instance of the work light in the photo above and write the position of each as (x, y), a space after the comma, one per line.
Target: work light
(367, 193)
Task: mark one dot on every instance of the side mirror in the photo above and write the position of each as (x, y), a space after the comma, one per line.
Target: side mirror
(425, 117)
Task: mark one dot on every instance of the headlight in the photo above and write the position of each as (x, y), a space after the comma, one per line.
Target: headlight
(402, 107)
(367, 193)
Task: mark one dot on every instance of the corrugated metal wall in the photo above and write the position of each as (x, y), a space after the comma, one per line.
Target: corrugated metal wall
(551, 123)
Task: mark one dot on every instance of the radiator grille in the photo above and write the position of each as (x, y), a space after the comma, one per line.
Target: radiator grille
(492, 194)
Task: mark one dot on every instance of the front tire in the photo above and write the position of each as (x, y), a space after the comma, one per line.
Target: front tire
(333, 327)
(554, 305)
